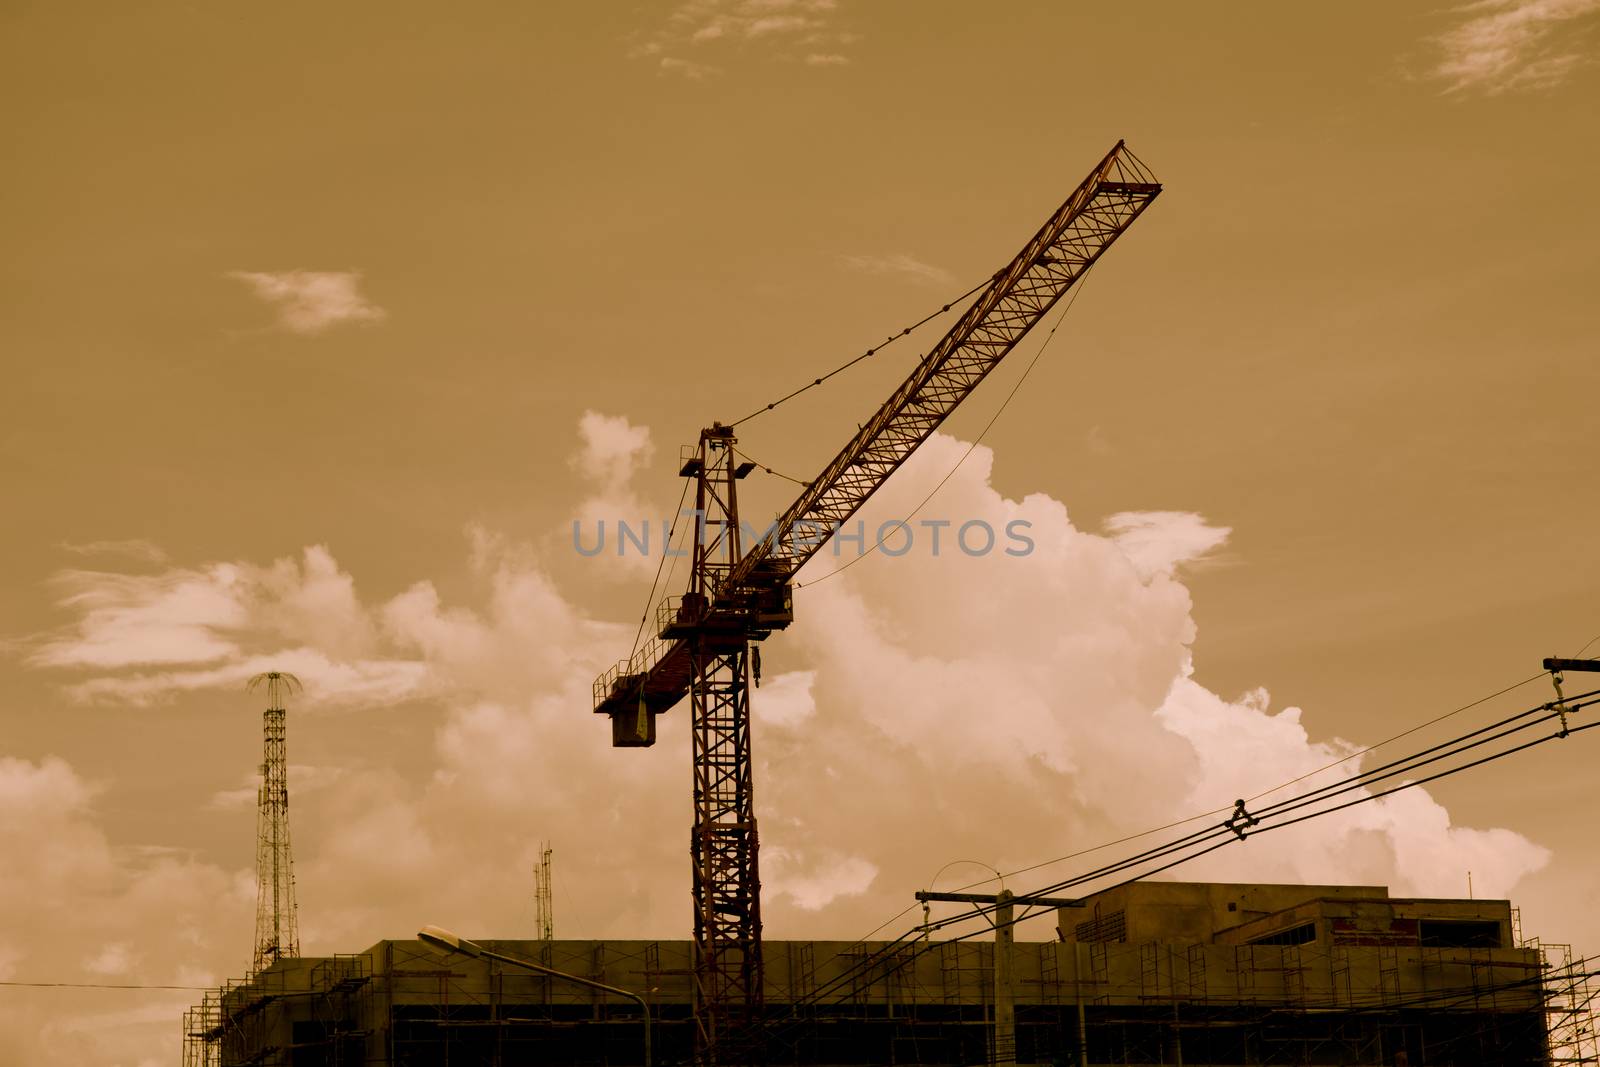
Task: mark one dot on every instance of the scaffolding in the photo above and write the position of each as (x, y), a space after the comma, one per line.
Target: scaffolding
(202, 1033)
(1569, 989)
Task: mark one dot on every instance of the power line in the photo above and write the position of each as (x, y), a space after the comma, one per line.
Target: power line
(1213, 838)
(1231, 829)
(1219, 811)
(101, 985)
(1200, 843)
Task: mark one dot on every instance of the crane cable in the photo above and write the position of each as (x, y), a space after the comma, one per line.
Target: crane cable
(880, 346)
(666, 551)
(778, 474)
(972, 447)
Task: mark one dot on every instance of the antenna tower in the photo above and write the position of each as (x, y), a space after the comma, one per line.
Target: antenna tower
(277, 921)
(541, 892)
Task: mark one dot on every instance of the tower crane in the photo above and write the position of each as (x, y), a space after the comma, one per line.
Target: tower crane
(739, 595)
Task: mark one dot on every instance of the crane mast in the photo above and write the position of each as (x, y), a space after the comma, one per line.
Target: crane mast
(703, 643)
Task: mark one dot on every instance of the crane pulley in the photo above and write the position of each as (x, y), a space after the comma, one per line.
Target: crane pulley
(739, 595)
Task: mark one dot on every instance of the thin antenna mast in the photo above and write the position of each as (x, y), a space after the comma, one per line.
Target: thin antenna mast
(542, 895)
(277, 918)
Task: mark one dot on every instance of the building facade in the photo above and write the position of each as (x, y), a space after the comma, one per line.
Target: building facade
(1176, 973)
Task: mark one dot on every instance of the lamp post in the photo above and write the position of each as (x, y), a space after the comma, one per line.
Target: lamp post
(440, 938)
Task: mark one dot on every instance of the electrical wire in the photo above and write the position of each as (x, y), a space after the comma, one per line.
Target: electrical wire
(1398, 736)
(1266, 792)
(1223, 810)
(102, 985)
(1198, 844)
(893, 337)
(1226, 830)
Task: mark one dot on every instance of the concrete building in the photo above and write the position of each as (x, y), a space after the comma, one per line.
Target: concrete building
(1192, 973)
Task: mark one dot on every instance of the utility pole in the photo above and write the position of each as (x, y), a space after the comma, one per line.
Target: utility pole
(1003, 1047)
(1555, 663)
(1556, 666)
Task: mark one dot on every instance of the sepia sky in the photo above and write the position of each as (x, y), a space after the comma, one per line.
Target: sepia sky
(323, 323)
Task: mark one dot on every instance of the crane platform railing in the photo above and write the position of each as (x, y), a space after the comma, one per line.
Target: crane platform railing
(626, 672)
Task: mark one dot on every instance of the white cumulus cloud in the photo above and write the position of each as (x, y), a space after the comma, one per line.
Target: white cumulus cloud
(1504, 46)
(311, 301)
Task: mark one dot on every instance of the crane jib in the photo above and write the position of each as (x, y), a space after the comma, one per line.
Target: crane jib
(1019, 295)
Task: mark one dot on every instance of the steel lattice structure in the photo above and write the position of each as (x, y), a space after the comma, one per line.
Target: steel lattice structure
(277, 920)
(543, 894)
(724, 844)
(703, 644)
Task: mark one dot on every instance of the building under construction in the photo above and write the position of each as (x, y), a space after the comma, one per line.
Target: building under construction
(1195, 973)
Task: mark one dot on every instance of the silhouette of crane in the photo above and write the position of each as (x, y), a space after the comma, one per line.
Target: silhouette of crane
(737, 597)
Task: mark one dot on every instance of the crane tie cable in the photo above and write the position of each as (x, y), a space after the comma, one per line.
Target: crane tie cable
(786, 477)
(1082, 281)
(886, 342)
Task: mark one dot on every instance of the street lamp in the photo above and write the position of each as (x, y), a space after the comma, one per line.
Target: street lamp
(440, 938)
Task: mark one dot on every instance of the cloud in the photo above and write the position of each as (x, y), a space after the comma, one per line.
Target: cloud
(688, 69)
(786, 700)
(611, 448)
(181, 616)
(328, 682)
(902, 264)
(778, 29)
(1512, 45)
(611, 452)
(217, 625)
(823, 879)
(113, 959)
(80, 910)
(311, 301)
(136, 549)
(1157, 541)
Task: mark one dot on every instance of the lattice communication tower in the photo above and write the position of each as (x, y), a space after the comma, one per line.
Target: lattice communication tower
(542, 895)
(277, 921)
